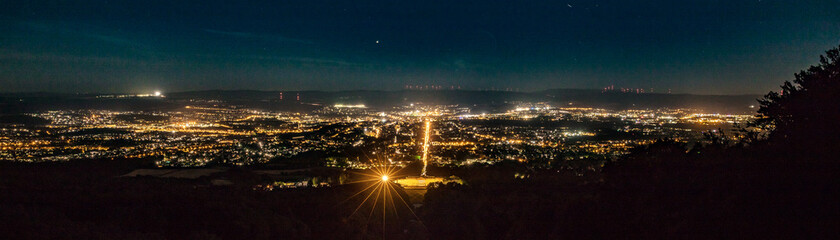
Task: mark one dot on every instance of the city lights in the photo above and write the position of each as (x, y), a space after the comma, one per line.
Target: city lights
(198, 134)
(426, 146)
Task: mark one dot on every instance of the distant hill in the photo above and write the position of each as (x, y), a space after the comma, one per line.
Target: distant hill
(492, 99)
(22, 120)
(489, 101)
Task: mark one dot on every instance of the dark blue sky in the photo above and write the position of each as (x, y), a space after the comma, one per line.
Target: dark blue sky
(707, 47)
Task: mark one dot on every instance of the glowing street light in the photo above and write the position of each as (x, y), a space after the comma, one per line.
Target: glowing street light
(384, 178)
(426, 147)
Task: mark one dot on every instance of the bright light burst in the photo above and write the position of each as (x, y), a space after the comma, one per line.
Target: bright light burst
(381, 194)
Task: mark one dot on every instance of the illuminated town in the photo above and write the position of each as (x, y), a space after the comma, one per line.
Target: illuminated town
(419, 120)
(212, 133)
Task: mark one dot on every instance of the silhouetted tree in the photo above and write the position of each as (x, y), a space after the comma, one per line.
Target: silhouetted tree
(806, 111)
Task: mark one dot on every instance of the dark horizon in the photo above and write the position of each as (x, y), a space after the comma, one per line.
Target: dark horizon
(378, 90)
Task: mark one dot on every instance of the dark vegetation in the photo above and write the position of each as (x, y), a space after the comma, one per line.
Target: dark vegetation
(11, 103)
(783, 184)
(141, 118)
(22, 120)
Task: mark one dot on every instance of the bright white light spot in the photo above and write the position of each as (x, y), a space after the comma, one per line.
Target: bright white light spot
(384, 178)
(157, 93)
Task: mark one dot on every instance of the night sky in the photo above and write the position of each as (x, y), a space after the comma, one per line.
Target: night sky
(703, 47)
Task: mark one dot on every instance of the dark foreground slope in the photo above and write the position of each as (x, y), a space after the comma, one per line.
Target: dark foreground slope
(657, 192)
(87, 200)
